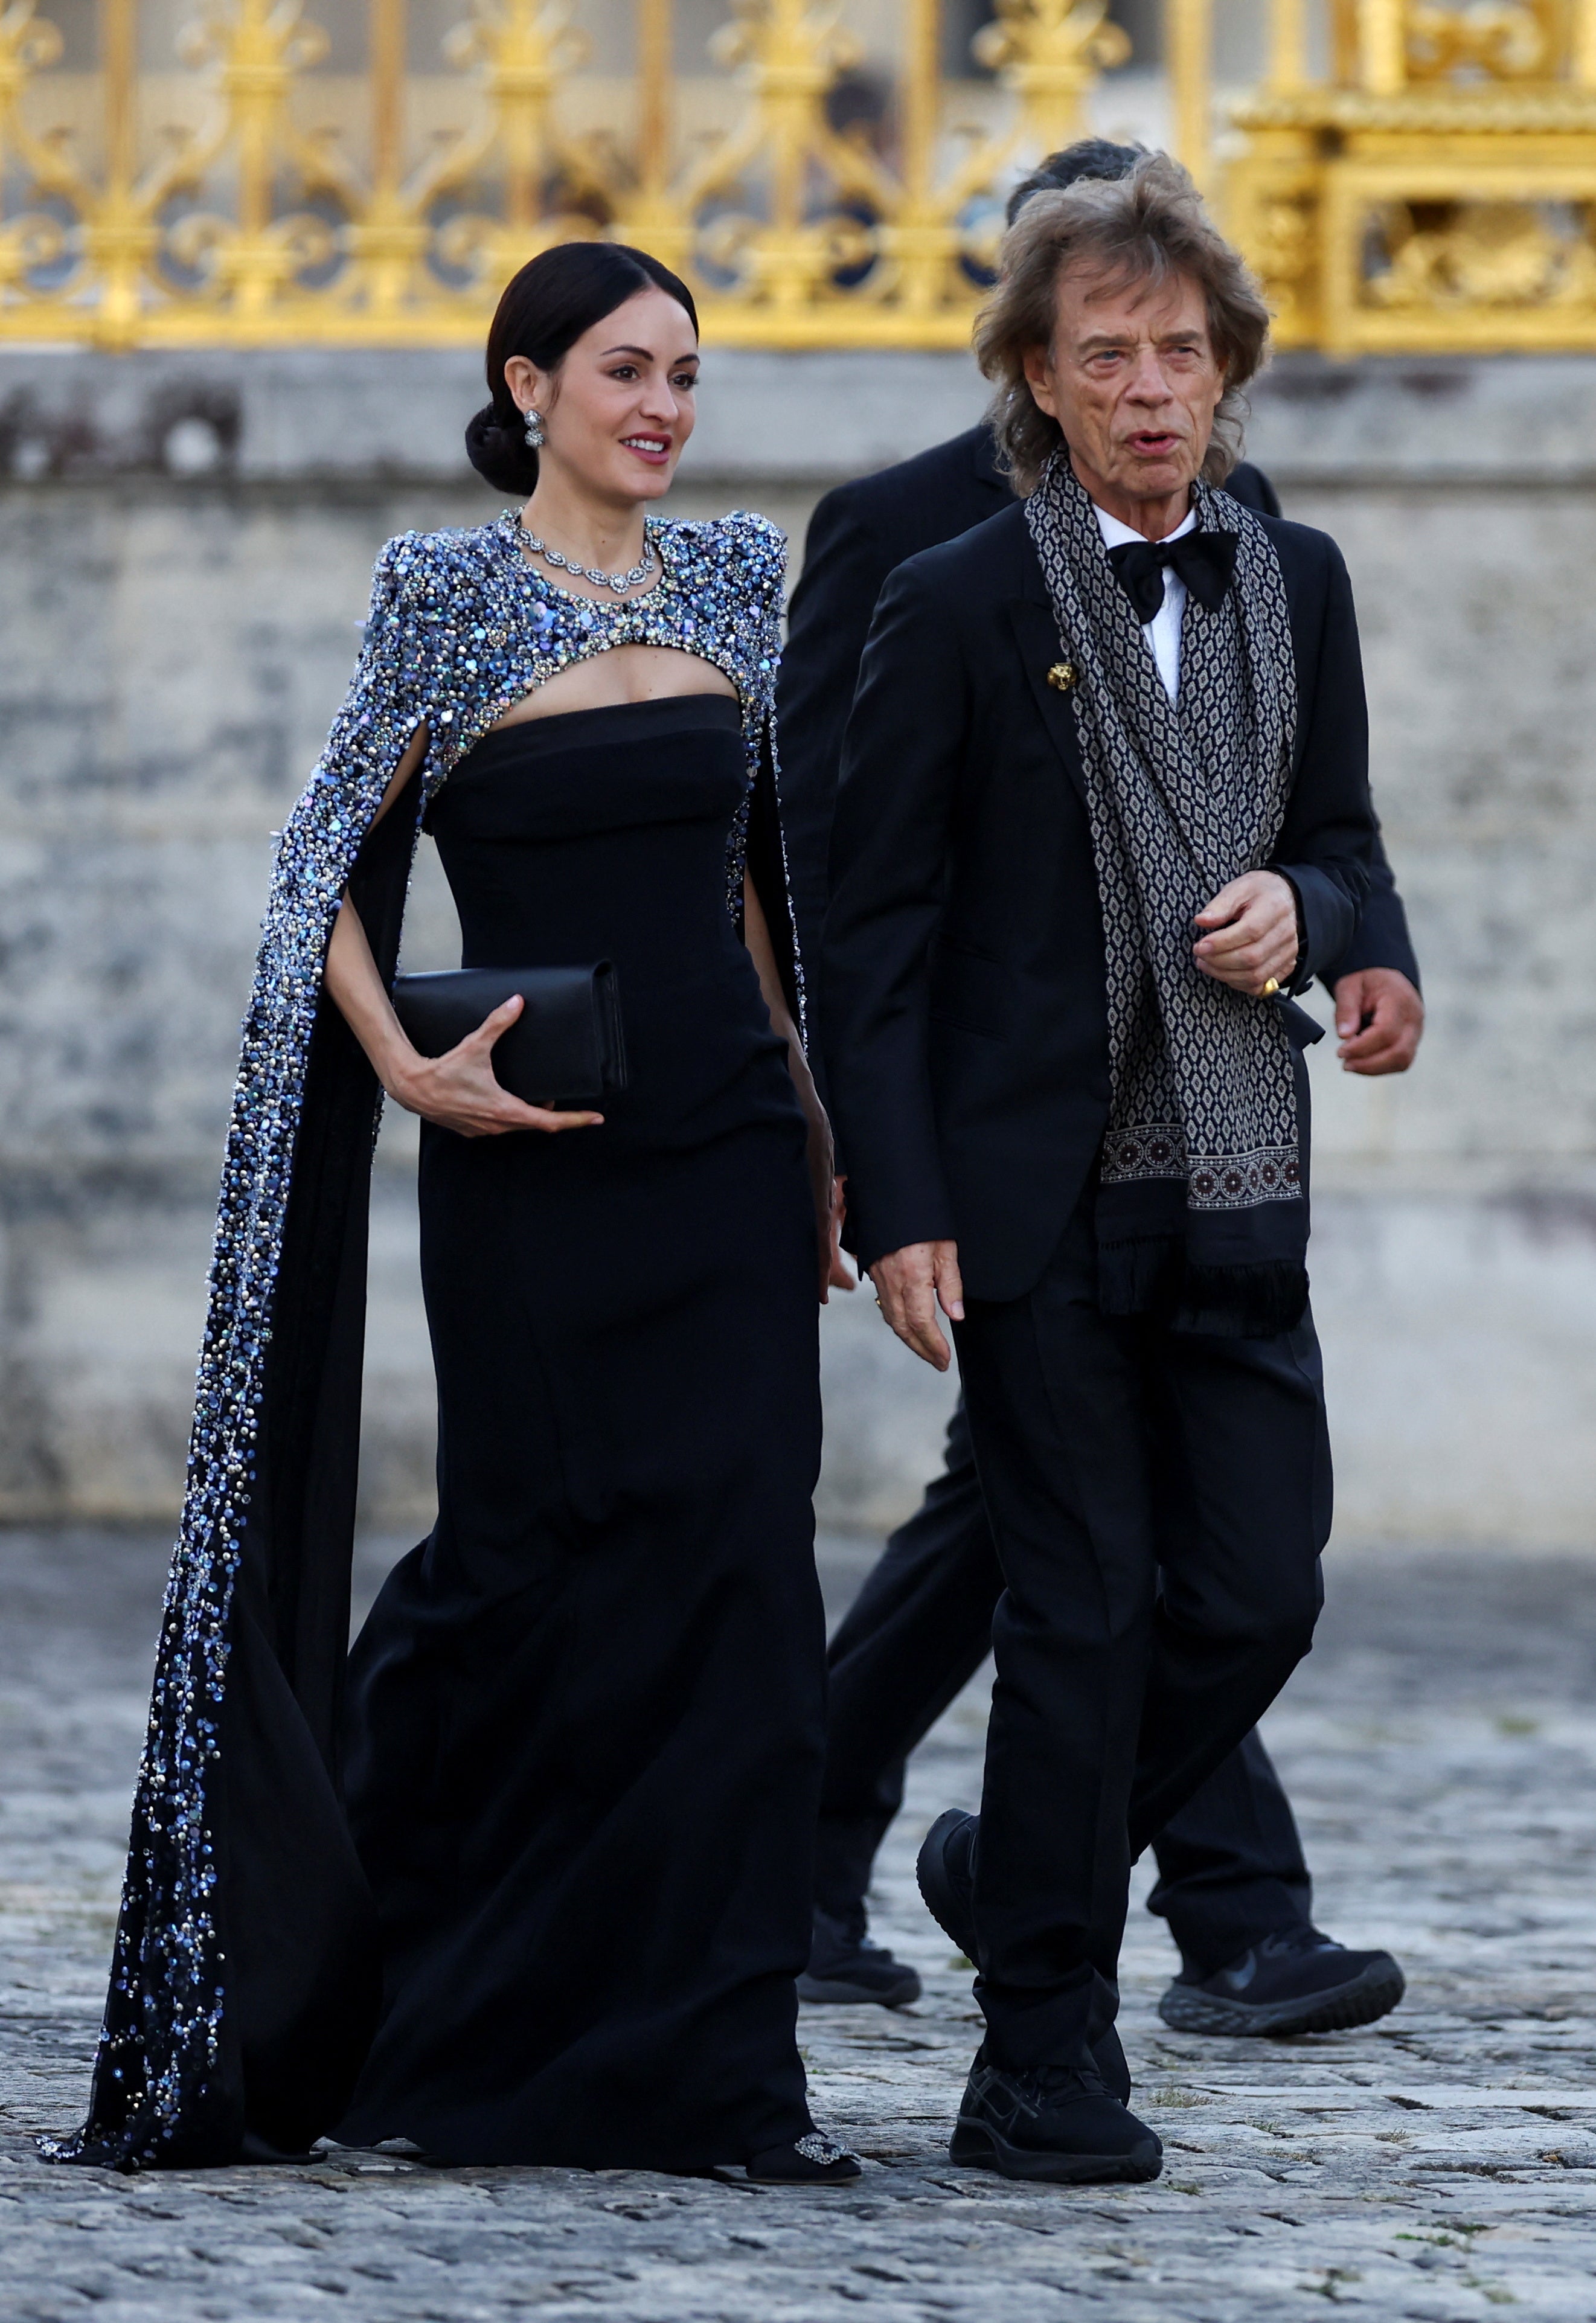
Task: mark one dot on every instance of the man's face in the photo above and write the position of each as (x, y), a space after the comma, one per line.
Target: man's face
(1133, 379)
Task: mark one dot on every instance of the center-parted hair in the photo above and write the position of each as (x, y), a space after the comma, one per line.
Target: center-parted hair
(1146, 227)
(543, 311)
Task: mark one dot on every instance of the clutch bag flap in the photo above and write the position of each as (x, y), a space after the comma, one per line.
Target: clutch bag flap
(565, 1049)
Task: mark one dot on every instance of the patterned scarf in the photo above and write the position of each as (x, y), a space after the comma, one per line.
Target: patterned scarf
(1202, 1215)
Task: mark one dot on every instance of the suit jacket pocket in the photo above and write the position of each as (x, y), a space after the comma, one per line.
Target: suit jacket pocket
(968, 990)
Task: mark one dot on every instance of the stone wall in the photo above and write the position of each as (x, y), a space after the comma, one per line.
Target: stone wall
(187, 544)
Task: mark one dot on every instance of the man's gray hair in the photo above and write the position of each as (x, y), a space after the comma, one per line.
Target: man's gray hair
(1149, 226)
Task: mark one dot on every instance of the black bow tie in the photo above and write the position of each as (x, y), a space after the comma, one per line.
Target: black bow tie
(1205, 561)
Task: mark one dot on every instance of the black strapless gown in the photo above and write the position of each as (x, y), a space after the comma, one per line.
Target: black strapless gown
(586, 1715)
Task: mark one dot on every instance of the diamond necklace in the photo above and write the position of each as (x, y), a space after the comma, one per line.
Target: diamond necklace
(616, 581)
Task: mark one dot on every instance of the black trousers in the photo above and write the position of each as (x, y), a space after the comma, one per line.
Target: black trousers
(1158, 1500)
(1231, 1866)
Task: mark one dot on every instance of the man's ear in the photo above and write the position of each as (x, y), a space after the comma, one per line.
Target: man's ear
(1037, 365)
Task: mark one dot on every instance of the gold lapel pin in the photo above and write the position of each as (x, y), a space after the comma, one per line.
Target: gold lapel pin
(1061, 676)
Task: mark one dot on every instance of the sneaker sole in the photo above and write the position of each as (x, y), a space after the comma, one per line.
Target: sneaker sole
(936, 1905)
(837, 1992)
(1341, 2010)
(980, 2147)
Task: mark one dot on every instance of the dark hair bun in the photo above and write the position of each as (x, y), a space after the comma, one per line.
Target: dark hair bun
(501, 454)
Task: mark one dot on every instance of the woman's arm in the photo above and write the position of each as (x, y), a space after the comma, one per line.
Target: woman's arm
(823, 1180)
(457, 1090)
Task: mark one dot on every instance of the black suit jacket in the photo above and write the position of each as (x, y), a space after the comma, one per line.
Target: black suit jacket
(857, 534)
(963, 1010)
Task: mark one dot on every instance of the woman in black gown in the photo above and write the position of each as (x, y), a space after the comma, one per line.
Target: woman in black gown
(584, 1717)
(583, 1712)
(533, 1885)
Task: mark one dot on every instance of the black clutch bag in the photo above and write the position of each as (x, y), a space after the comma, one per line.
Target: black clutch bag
(565, 1049)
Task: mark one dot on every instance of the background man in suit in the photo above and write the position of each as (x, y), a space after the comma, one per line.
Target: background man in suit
(1073, 1116)
(1234, 1884)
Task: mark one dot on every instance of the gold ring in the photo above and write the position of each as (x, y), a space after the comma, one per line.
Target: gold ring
(1271, 987)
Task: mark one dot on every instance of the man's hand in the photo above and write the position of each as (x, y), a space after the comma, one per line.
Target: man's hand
(911, 1284)
(1379, 1020)
(1251, 932)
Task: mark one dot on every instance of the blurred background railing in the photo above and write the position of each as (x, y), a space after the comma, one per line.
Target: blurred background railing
(245, 264)
(828, 172)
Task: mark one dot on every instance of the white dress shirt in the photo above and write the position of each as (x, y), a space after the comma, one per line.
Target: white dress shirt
(1163, 631)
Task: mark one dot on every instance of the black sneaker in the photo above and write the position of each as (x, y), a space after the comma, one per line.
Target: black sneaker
(1109, 2057)
(946, 1870)
(845, 1966)
(810, 2160)
(1058, 2123)
(1296, 1982)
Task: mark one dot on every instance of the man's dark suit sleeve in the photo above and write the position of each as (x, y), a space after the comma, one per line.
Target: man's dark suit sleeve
(889, 851)
(1382, 939)
(844, 566)
(1252, 488)
(1328, 836)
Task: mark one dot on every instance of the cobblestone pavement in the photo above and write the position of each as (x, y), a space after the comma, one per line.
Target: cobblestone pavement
(1441, 1749)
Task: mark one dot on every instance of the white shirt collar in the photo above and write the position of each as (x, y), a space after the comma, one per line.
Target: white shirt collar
(1162, 633)
(1116, 534)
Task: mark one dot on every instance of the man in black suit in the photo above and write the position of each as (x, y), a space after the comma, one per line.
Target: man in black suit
(1234, 1885)
(1063, 913)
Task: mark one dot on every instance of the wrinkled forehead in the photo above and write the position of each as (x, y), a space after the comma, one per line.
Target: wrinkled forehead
(1095, 298)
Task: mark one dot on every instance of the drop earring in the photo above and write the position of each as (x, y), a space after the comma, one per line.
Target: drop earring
(534, 429)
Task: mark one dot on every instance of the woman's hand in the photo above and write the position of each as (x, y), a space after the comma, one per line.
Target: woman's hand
(826, 1187)
(1253, 932)
(840, 1272)
(458, 1090)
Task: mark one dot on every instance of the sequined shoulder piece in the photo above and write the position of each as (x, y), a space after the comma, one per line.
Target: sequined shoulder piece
(733, 568)
(748, 550)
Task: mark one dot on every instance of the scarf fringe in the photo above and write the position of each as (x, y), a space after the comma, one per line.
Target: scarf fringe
(1258, 1301)
(1155, 1277)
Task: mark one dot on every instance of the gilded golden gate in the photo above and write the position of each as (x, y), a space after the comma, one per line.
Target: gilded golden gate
(1435, 188)
(1405, 175)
